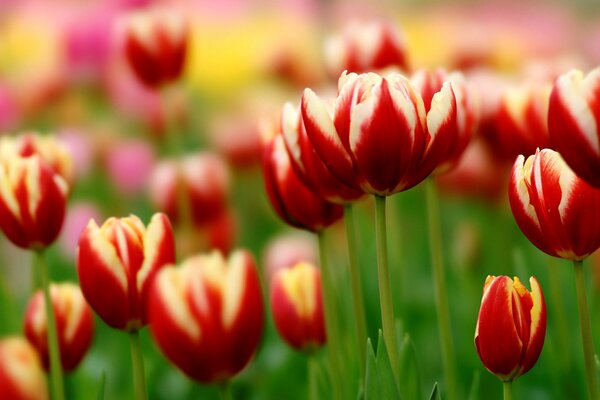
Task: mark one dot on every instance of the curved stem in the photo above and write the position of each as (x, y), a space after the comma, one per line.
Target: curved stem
(313, 392)
(225, 391)
(357, 295)
(441, 293)
(331, 323)
(385, 288)
(56, 375)
(586, 333)
(137, 363)
(507, 386)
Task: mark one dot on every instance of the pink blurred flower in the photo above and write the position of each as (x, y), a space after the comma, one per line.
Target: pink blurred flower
(128, 164)
(9, 110)
(80, 147)
(78, 216)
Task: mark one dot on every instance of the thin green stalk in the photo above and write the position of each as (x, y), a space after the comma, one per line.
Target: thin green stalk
(441, 293)
(586, 333)
(357, 295)
(331, 323)
(225, 391)
(313, 392)
(507, 386)
(137, 364)
(56, 375)
(385, 287)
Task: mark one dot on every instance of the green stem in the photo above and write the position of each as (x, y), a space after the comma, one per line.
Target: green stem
(507, 386)
(313, 392)
(331, 322)
(137, 364)
(586, 333)
(56, 375)
(225, 391)
(441, 293)
(385, 288)
(357, 295)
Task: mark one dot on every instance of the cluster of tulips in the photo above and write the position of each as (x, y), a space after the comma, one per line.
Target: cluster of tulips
(386, 130)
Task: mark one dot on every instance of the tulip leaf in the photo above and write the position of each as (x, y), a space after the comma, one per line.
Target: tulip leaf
(379, 380)
(410, 381)
(435, 393)
(474, 391)
(100, 395)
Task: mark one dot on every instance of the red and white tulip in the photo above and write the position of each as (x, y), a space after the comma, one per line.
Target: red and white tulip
(74, 323)
(511, 326)
(574, 122)
(21, 374)
(207, 315)
(555, 209)
(116, 264)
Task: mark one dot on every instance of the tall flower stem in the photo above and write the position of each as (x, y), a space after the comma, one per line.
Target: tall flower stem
(441, 293)
(137, 363)
(586, 333)
(385, 287)
(357, 295)
(56, 375)
(507, 386)
(313, 392)
(225, 391)
(331, 323)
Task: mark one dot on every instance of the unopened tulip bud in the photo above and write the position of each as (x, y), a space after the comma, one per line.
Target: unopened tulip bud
(207, 315)
(32, 201)
(555, 209)
(511, 326)
(116, 264)
(21, 374)
(297, 306)
(74, 324)
(156, 46)
(574, 122)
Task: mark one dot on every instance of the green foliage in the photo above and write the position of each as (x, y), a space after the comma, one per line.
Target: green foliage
(379, 382)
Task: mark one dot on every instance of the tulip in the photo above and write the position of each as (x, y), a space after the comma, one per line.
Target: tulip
(297, 306)
(511, 326)
(378, 136)
(573, 120)
(555, 209)
(202, 179)
(116, 264)
(522, 120)
(363, 47)
(21, 374)
(207, 315)
(156, 46)
(306, 162)
(74, 321)
(288, 249)
(292, 200)
(32, 201)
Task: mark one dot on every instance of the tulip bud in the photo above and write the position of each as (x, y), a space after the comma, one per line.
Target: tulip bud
(574, 120)
(363, 47)
(74, 324)
(204, 180)
(511, 326)
(32, 201)
(156, 46)
(378, 136)
(207, 315)
(297, 306)
(21, 373)
(292, 200)
(555, 209)
(116, 264)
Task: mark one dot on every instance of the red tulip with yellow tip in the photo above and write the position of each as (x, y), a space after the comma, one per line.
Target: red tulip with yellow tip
(74, 322)
(21, 374)
(207, 315)
(297, 306)
(511, 326)
(116, 264)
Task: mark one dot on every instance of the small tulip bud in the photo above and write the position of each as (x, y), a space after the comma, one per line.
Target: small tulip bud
(116, 264)
(207, 315)
(74, 324)
(297, 306)
(511, 326)
(21, 374)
